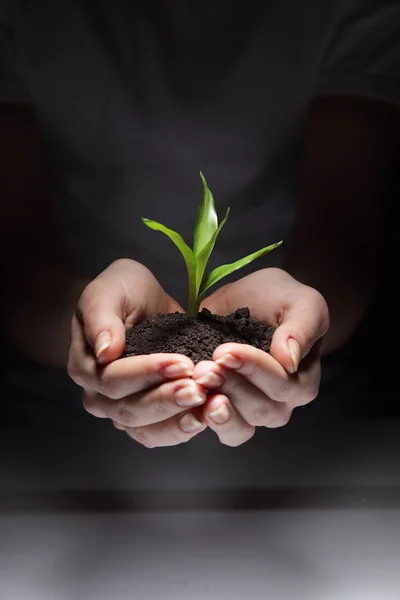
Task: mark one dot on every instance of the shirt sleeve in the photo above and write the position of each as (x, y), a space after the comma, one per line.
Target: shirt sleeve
(12, 85)
(363, 58)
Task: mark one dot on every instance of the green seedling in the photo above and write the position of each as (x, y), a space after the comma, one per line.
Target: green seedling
(206, 232)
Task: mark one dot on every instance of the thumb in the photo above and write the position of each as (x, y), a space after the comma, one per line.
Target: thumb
(100, 311)
(301, 328)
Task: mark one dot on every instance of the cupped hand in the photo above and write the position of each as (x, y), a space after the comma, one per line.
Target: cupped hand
(148, 396)
(249, 387)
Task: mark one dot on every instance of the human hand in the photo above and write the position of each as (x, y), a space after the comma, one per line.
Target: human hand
(147, 396)
(250, 387)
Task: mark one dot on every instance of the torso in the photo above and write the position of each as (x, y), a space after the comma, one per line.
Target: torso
(135, 98)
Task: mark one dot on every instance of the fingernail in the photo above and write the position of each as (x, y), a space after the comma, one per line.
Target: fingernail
(189, 423)
(211, 379)
(230, 361)
(221, 415)
(294, 350)
(180, 369)
(187, 395)
(103, 341)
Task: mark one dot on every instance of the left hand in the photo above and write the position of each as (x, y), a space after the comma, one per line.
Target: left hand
(248, 386)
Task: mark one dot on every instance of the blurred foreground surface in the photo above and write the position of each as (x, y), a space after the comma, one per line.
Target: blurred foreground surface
(308, 511)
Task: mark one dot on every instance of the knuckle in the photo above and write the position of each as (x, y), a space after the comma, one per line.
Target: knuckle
(271, 415)
(109, 387)
(263, 414)
(163, 408)
(111, 391)
(142, 436)
(282, 391)
(250, 369)
(125, 415)
(281, 419)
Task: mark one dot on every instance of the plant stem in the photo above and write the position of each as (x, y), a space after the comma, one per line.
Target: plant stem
(193, 307)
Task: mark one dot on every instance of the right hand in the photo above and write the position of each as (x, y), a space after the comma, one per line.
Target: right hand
(148, 396)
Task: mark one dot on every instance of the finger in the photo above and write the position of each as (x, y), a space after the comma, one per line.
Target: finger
(299, 312)
(101, 312)
(174, 431)
(254, 406)
(226, 422)
(303, 323)
(125, 376)
(153, 406)
(121, 295)
(269, 376)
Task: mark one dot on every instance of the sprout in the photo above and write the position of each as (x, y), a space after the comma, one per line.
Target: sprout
(206, 232)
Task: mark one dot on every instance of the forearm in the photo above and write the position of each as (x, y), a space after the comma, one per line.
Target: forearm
(337, 239)
(345, 280)
(37, 307)
(38, 294)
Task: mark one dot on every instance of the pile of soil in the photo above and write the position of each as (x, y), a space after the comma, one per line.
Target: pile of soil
(197, 338)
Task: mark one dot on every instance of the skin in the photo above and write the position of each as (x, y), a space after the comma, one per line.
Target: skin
(350, 144)
(138, 395)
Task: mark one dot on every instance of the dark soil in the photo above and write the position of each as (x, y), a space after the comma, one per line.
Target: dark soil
(197, 338)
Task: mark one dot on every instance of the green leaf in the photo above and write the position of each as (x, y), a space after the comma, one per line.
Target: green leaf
(175, 237)
(186, 252)
(224, 270)
(206, 220)
(203, 256)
